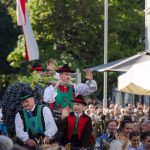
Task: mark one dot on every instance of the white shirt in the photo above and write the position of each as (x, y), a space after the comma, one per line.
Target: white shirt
(115, 145)
(50, 126)
(1, 115)
(84, 89)
(56, 75)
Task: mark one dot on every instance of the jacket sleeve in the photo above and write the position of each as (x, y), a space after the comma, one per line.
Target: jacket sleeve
(85, 88)
(61, 124)
(87, 134)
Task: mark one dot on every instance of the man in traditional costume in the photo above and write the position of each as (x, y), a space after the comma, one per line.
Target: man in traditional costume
(61, 94)
(34, 122)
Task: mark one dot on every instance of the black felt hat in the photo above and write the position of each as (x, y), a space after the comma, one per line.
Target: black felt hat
(79, 99)
(25, 95)
(65, 68)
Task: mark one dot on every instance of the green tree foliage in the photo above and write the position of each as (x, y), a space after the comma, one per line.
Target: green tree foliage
(71, 31)
(68, 30)
(74, 29)
(8, 37)
(126, 28)
(17, 56)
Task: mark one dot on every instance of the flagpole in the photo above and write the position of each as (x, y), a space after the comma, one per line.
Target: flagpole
(105, 51)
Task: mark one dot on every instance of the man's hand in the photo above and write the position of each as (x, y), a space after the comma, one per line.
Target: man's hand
(106, 144)
(46, 140)
(31, 143)
(65, 113)
(58, 83)
(88, 74)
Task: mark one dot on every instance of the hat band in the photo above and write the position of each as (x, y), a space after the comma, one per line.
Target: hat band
(79, 101)
(25, 97)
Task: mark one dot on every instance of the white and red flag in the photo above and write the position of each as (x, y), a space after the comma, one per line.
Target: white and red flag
(32, 51)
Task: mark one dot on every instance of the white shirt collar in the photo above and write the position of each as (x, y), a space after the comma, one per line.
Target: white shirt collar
(78, 114)
(31, 109)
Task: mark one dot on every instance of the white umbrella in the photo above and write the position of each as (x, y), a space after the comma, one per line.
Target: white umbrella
(136, 80)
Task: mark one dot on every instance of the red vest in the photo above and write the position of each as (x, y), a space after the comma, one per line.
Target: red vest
(71, 124)
(62, 89)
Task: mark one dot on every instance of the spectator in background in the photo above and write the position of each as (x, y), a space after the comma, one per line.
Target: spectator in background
(88, 112)
(102, 142)
(138, 113)
(138, 104)
(111, 112)
(145, 141)
(51, 68)
(5, 143)
(134, 137)
(3, 127)
(112, 106)
(117, 112)
(122, 140)
(145, 126)
(146, 111)
(128, 115)
(117, 108)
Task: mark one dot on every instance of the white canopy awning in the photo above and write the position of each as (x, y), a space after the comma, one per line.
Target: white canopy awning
(123, 65)
(136, 80)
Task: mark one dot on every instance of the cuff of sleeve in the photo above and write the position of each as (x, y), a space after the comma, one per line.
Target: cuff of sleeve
(49, 137)
(25, 140)
(91, 83)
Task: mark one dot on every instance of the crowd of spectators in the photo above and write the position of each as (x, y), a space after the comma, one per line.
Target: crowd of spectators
(114, 128)
(117, 128)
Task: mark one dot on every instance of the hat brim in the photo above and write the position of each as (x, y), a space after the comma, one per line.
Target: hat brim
(61, 71)
(37, 68)
(81, 102)
(25, 97)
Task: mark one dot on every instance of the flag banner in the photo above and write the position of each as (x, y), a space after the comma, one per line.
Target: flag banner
(32, 51)
(31, 44)
(21, 13)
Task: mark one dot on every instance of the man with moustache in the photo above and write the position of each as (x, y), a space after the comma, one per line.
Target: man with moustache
(61, 94)
(33, 122)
